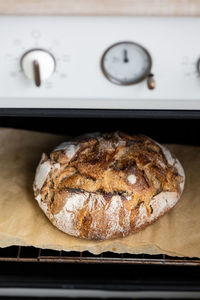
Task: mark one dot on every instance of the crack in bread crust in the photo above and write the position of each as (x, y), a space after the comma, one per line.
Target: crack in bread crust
(105, 186)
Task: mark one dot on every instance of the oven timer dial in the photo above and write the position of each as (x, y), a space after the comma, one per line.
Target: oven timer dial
(38, 65)
(127, 63)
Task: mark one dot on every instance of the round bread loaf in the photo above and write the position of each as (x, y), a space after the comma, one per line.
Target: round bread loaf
(102, 186)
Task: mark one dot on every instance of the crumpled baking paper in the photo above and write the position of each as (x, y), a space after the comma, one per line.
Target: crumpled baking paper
(23, 223)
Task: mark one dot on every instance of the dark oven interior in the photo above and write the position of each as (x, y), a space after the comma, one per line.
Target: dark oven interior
(165, 130)
(38, 268)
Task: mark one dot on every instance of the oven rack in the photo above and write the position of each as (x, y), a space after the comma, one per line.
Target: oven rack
(32, 254)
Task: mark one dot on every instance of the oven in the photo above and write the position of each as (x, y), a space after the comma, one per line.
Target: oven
(66, 75)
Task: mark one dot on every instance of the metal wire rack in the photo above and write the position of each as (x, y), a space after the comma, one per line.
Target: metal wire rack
(31, 254)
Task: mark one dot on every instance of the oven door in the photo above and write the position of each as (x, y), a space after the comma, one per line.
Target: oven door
(32, 272)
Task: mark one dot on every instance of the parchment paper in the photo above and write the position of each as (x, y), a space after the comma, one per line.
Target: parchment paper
(22, 222)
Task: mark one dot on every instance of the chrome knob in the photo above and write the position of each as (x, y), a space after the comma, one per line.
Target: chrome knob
(38, 65)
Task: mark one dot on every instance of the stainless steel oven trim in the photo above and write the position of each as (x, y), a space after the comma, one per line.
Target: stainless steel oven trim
(90, 293)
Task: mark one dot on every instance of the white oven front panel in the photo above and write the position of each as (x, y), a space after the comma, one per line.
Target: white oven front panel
(77, 45)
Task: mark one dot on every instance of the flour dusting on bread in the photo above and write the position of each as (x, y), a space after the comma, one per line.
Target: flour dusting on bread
(132, 178)
(41, 173)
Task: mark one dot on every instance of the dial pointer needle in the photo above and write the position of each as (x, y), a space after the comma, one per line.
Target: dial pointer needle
(125, 56)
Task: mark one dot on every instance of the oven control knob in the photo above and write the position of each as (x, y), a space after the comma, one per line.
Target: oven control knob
(38, 65)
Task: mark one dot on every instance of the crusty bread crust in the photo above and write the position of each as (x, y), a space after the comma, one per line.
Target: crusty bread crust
(103, 186)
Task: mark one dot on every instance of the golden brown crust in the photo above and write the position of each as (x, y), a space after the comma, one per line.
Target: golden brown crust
(103, 185)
